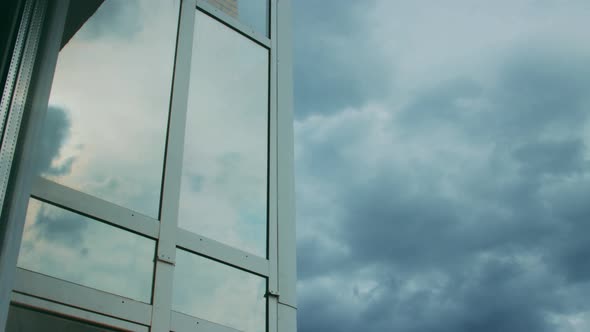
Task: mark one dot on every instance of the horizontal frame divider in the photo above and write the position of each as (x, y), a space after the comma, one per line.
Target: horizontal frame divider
(233, 23)
(180, 322)
(94, 207)
(67, 293)
(74, 313)
(221, 252)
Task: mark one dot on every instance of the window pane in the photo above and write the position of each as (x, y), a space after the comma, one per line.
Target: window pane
(253, 13)
(219, 293)
(66, 245)
(106, 124)
(224, 176)
(26, 320)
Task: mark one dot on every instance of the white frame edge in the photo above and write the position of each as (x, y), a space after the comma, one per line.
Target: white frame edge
(75, 313)
(71, 294)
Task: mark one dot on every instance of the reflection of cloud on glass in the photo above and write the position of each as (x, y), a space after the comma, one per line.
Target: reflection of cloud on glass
(66, 245)
(114, 19)
(56, 131)
(211, 290)
(117, 109)
(196, 182)
(226, 139)
(56, 226)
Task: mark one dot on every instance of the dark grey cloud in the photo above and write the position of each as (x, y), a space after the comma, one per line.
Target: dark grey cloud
(335, 63)
(552, 157)
(540, 92)
(59, 226)
(485, 230)
(64, 228)
(56, 131)
(440, 103)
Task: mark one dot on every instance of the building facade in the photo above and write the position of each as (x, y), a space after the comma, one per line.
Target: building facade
(146, 166)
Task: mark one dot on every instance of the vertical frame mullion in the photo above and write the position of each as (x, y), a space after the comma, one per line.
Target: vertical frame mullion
(25, 112)
(13, 66)
(273, 285)
(286, 243)
(166, 252)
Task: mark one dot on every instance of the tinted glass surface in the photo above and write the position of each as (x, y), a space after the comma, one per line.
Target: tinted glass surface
(219, 293)
(26, 320)
(253, 13)
(106, 124)
(224, 175)
(66, 245)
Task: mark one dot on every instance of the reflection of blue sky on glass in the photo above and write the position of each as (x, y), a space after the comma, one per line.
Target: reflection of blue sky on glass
(254, 13)
(112, 82)
(65, 245)
(224, 177)
(443, 165)
(219, 293)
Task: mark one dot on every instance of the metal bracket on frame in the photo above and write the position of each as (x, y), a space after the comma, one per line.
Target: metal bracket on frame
(165, 259)
(272, 293)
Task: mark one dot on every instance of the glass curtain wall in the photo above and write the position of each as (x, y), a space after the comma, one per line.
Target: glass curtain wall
(136, 158)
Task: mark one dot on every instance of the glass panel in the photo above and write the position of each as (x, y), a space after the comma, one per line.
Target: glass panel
(224, 176)
(66, 245)
(106, 124)
(26, 320)
(219, 293)
(253, 13)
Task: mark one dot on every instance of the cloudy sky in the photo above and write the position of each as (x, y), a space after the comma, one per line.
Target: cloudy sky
(442, 165)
